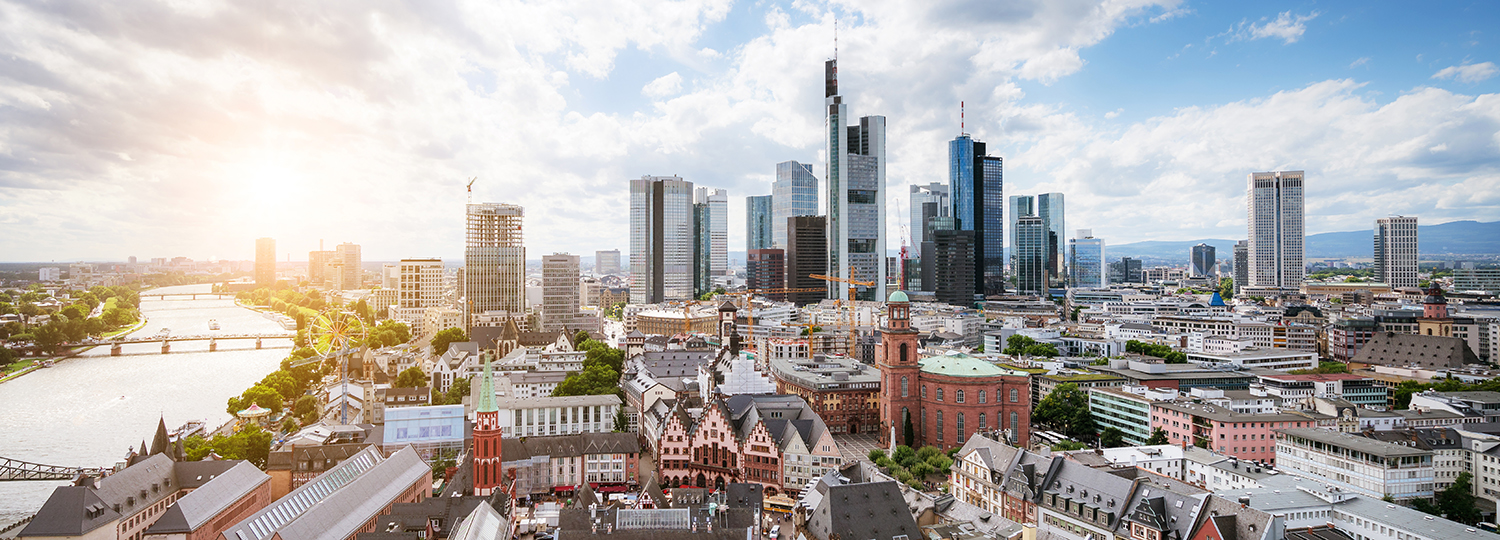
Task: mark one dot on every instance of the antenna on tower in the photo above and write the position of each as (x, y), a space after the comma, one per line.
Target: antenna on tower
(835, 37)
(960, 117)
(471, 189)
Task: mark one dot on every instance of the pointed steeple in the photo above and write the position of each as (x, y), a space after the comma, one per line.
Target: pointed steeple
(485, 401)
(160, 443)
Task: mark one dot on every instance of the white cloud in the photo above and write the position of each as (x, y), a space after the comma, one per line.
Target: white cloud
(1114, 113)
(1287, 27)
(1361, 61)
(1468, 73)
(664, 86)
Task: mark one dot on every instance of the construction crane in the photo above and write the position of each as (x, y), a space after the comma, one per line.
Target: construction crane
(743, 297)
(849, 307)
(905, 255)
(471, 189)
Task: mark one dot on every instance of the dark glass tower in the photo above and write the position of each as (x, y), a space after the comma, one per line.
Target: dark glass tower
(977, 185)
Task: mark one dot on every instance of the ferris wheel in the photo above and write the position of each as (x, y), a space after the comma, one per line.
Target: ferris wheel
(336, 332)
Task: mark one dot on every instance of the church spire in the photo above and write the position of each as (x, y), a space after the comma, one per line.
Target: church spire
(485, 401)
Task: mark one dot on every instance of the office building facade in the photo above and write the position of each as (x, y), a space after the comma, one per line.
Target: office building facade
(1050, 208)
(265, 262)
(856, 194)
(661, 239)
(1126, 270)
(1203, 261)
(419, 286)
(494, 260)
(794, 193)
(807, 254)
(758, 210)
(559, 292)
(1241, 264)
(716, 233)
(978, 195)
(350, 272)
(1276, 226)
(1030, 263)
(766, 269)
(1086, 261)
(954, 266)
(929, 201)
(607, 262)
(1396, 251)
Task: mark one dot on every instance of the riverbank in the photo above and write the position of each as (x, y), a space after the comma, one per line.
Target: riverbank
(34, 364)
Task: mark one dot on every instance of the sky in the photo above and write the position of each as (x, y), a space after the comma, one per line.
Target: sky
(191, 128)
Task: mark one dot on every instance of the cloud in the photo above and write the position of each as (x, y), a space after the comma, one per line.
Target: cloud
(1361, 61)
(1114, 113)
(664, 86)
(1468, 73)
(1286, 26)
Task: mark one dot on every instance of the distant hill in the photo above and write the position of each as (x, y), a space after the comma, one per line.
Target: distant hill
(1452, 238)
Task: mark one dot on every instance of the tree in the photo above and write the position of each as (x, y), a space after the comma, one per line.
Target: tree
(876, 454)
(594, 380)
(457, 391)
(904, 455)
(446, 338)
(1458, 502)
(1111, 437)
(621, 423)
(1065, 410)
(1016, 345)
(252, 444)
(284, 383)
(581, 336)
(304, 405)
(1158, 436)
(411, 377)
(1226, 288)
(920, 469)
(940, 463)
(1065, 445)
(927, 452)
(908, 432)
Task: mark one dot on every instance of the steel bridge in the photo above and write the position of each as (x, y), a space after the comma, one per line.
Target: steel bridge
(166, 341)
(17, 470)
(192, 296)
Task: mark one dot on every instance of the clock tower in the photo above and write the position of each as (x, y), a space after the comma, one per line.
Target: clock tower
(896, 356)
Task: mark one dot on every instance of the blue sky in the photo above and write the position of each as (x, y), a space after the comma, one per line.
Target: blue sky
(159, 130)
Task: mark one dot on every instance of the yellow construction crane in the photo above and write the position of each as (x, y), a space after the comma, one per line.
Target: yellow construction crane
(743, 297)
(849, 307)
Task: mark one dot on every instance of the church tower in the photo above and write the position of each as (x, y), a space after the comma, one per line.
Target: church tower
(1435, 320)
(486, 435)
(896, 356)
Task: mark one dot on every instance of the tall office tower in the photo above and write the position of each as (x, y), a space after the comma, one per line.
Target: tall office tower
(607, 262)
(494, 260)
(1203, 261)
(929, 254)
(795, 193)
(758, 212)
(702, 249)
(978, 185)
(953, 257)
(348, 254)
(1276, 229)
(807, 254)
(927, 201)
(265, 262)
(714, 229)
(661, 239)
(317, 265)
(419, 286)
(1396, 251)
(1126, 270)
(1241, 265)
(559, 292)
(1050, 208)
(766, 269)
(1086, 261)
(1031, 255)
(856, 194)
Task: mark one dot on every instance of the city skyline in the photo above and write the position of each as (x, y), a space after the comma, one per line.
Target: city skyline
(277, 160)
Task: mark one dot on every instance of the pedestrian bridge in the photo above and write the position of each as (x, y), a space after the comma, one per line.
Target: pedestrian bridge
(17, 470)
(185, 295)
(115, 345)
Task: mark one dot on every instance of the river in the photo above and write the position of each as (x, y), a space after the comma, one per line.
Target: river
(89, 410)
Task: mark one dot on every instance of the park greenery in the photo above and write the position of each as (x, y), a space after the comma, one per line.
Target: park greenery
(913, 467)
(1160, 351)
(252, 444)
(1324, 368)
(1332, 273)
(1456, 502)
(1019, 345)
(602, 366)
(70, 321)
(1403, 391)
(445, 338)
(1226, 288)
(1065, 410)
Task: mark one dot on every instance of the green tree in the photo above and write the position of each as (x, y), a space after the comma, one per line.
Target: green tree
(594, 380)
(621, 423)
(1404, 391)
(304, 405)
(1324, 368)
(1065, 410)
(1226, 288)
(1158, 436)
(940, 463)
(920, 469)
(581, 336)
(446, 338)
(1458, 502)
(1111, 437)
(411, 377)
(876, 454)
(1016, 345)
(904, 455)
(284, 383)
(456, 391)
(264, 396)
(1066, 445)
(908, 432)
(927, 452)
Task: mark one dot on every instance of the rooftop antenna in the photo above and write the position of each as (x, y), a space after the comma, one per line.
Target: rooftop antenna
(471, 189)
(835, 37)
(960, 117)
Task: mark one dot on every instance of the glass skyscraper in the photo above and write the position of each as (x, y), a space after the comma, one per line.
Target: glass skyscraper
(758, 230)
(1031, 255)
(1086, 261)
(856, 194)
(661, 239)
(1203, 260)
(1276, 248)
(795, 193)
(978, 198)
(1050, 208)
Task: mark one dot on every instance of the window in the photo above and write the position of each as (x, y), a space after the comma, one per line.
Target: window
(960, 426)
(903, 353)
(940, 394)
(903, 386)
(958, 396)
(1014, 420)
(1014, 395)
(982, 396)
(940, 423)
(982, 425)
(924, 391)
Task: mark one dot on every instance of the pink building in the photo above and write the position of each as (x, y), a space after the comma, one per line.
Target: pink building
(1245, 436)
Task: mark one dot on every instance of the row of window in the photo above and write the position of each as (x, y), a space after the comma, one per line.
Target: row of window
(958, 395)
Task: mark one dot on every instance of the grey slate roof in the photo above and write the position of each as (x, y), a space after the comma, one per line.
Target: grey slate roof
(1234, 522)
(868, 511)
(1354, 442)
(570, 445)
(70, 511)
(202, 504)
(1396, 349)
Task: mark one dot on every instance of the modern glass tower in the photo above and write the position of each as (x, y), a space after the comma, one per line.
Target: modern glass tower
(1241, 265)
(1396, 251)
(934, 193)
(1030, 266)
(856, 194)
(710, 237)
(1276, 225)
(758, 230)
(978, 195)
(661, 239)
(1203, 261)
(1050, 208)
(795, 193)
(1086, 261)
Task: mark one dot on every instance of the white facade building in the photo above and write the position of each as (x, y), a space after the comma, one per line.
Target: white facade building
(539, 416)
(1396, 251)
(1276, 227)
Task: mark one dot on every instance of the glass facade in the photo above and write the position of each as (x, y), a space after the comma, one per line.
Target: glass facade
(1049, 207)
(1031, 256)
(1086, 261)
(758, 211)
(795, 193)
(661, 239)
(978, 198)
(856, 196)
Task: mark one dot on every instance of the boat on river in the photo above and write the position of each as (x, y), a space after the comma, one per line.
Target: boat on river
(213, 324)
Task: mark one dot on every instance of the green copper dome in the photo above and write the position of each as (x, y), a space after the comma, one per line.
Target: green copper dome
(898, 296)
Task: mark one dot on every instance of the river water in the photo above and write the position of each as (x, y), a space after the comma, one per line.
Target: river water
(89, 410)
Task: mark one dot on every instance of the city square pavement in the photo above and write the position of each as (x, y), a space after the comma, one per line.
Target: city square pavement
(858, 446)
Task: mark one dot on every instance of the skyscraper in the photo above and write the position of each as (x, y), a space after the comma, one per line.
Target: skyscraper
(1050, 208)
(856, 194)
(351, 270)
(1276, 229)
(795, 193)
(953, 266)
(1241, 264)
(419, 285)
(1030, 266)
(607, 262)
(716, 206)
(661, 239)
(494, 260)
(1203, 261)
(758, 230)
(807, 254)
(931, 200)
(1396, 251)
(265, 262)
(559, 291)
(766, 269)
(1086, 261)
(978, 185)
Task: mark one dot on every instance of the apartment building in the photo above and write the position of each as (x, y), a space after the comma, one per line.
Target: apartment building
(1358, 464)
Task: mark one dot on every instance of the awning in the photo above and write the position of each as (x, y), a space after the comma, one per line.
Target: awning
(562, 488)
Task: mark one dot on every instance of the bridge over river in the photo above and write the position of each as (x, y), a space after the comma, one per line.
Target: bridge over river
(116, 345)
(16, 470)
